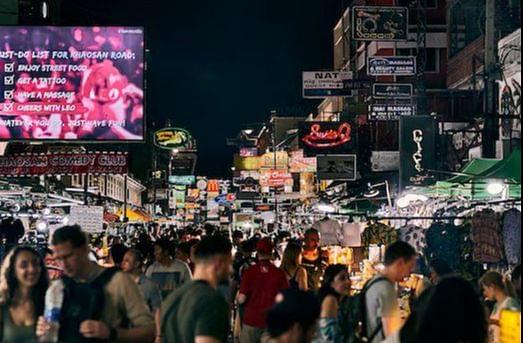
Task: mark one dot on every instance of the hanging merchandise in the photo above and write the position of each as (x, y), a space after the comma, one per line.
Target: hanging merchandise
(443, 242)
(468, 268)
(379, 234)
(352, 234)
(415, 236)
(330, 231)
(512, 236)
(486, 235)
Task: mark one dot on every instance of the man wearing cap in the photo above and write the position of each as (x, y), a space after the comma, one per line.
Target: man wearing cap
(258, 289)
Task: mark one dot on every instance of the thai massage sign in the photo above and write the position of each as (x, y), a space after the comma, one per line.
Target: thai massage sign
(320, 138)
(174, 139)
(61, 164)
(417, 150)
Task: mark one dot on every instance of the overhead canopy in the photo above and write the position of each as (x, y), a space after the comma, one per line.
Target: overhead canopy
(475, 176)
(135, 215)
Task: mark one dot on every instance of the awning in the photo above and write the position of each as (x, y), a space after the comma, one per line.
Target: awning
(135, 215)
(475, 176)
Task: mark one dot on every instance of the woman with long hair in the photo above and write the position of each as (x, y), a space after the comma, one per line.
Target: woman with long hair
(291, 265)
(495, 288)
(23, 283)
(335, 286)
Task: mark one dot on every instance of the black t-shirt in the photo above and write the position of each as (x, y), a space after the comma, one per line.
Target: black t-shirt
(195, 309)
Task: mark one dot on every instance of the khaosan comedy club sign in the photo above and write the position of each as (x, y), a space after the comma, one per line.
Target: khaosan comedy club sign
(59, 164)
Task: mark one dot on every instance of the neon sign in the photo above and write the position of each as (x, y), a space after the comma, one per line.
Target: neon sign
(174, 138)
(417, 137)
(328, 138)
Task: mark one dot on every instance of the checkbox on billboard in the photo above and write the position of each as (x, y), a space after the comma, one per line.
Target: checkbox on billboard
(9, 80)
(9, 67)
(8, 107)
(9, 94)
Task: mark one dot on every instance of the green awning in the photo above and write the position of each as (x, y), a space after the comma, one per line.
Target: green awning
(474, 178)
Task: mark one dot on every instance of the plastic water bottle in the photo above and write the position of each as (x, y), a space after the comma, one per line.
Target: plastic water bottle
(54, 298)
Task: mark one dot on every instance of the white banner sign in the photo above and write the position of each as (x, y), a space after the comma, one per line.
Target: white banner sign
(322, 84)
(90, 218)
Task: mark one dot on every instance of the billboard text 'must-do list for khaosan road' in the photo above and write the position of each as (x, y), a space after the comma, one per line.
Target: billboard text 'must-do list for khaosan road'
(71, 83)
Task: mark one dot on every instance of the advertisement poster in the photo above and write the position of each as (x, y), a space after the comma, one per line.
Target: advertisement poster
(22, 165)
(385, 161)
(391, 66)
(71, 83)
(322, 84)
(301, 164)
(90, 218)
(337, 167)
(276, 178)
(267, 160)
(417, 150)
(317, 138)
(380, 23)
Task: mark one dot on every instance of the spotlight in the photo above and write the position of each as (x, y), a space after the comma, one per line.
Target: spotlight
(495, 187)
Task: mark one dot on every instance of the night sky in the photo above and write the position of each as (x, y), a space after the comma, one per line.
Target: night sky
(215, 66)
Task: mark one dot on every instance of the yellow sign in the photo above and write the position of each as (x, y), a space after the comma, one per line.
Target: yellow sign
(282, 160)
(510, 327)
(246, 163)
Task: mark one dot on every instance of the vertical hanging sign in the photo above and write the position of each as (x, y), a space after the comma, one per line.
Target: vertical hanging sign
(417, 150)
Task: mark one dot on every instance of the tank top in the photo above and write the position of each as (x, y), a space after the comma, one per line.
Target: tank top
(293, 282)
(12, 333)
(314, 271)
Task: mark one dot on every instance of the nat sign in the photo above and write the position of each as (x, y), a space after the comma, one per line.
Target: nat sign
(380, 23)
(317, 138)
(63, 164)
(72, 83)
(322, 84)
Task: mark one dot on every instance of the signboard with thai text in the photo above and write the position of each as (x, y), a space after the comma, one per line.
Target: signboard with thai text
(322, 84)
(390, 112)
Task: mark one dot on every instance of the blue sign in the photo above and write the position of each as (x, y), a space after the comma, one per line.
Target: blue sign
(182, 179)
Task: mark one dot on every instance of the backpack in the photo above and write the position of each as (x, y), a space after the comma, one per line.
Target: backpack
(352, 317)
(82, 301)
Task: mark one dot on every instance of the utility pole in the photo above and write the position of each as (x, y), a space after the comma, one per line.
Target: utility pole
(275, 155)
(489, 99)
(421, 47)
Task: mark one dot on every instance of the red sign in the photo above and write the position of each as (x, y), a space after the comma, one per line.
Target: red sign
(213, 186)
(57, 164)
(275, 178)
(327, 137)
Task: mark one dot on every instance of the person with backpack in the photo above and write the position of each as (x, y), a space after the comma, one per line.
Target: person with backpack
(374, 313)
(197, 312)
(100, 304)
(383, 316)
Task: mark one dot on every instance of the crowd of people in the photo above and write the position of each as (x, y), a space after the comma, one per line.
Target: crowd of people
(207, 286)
